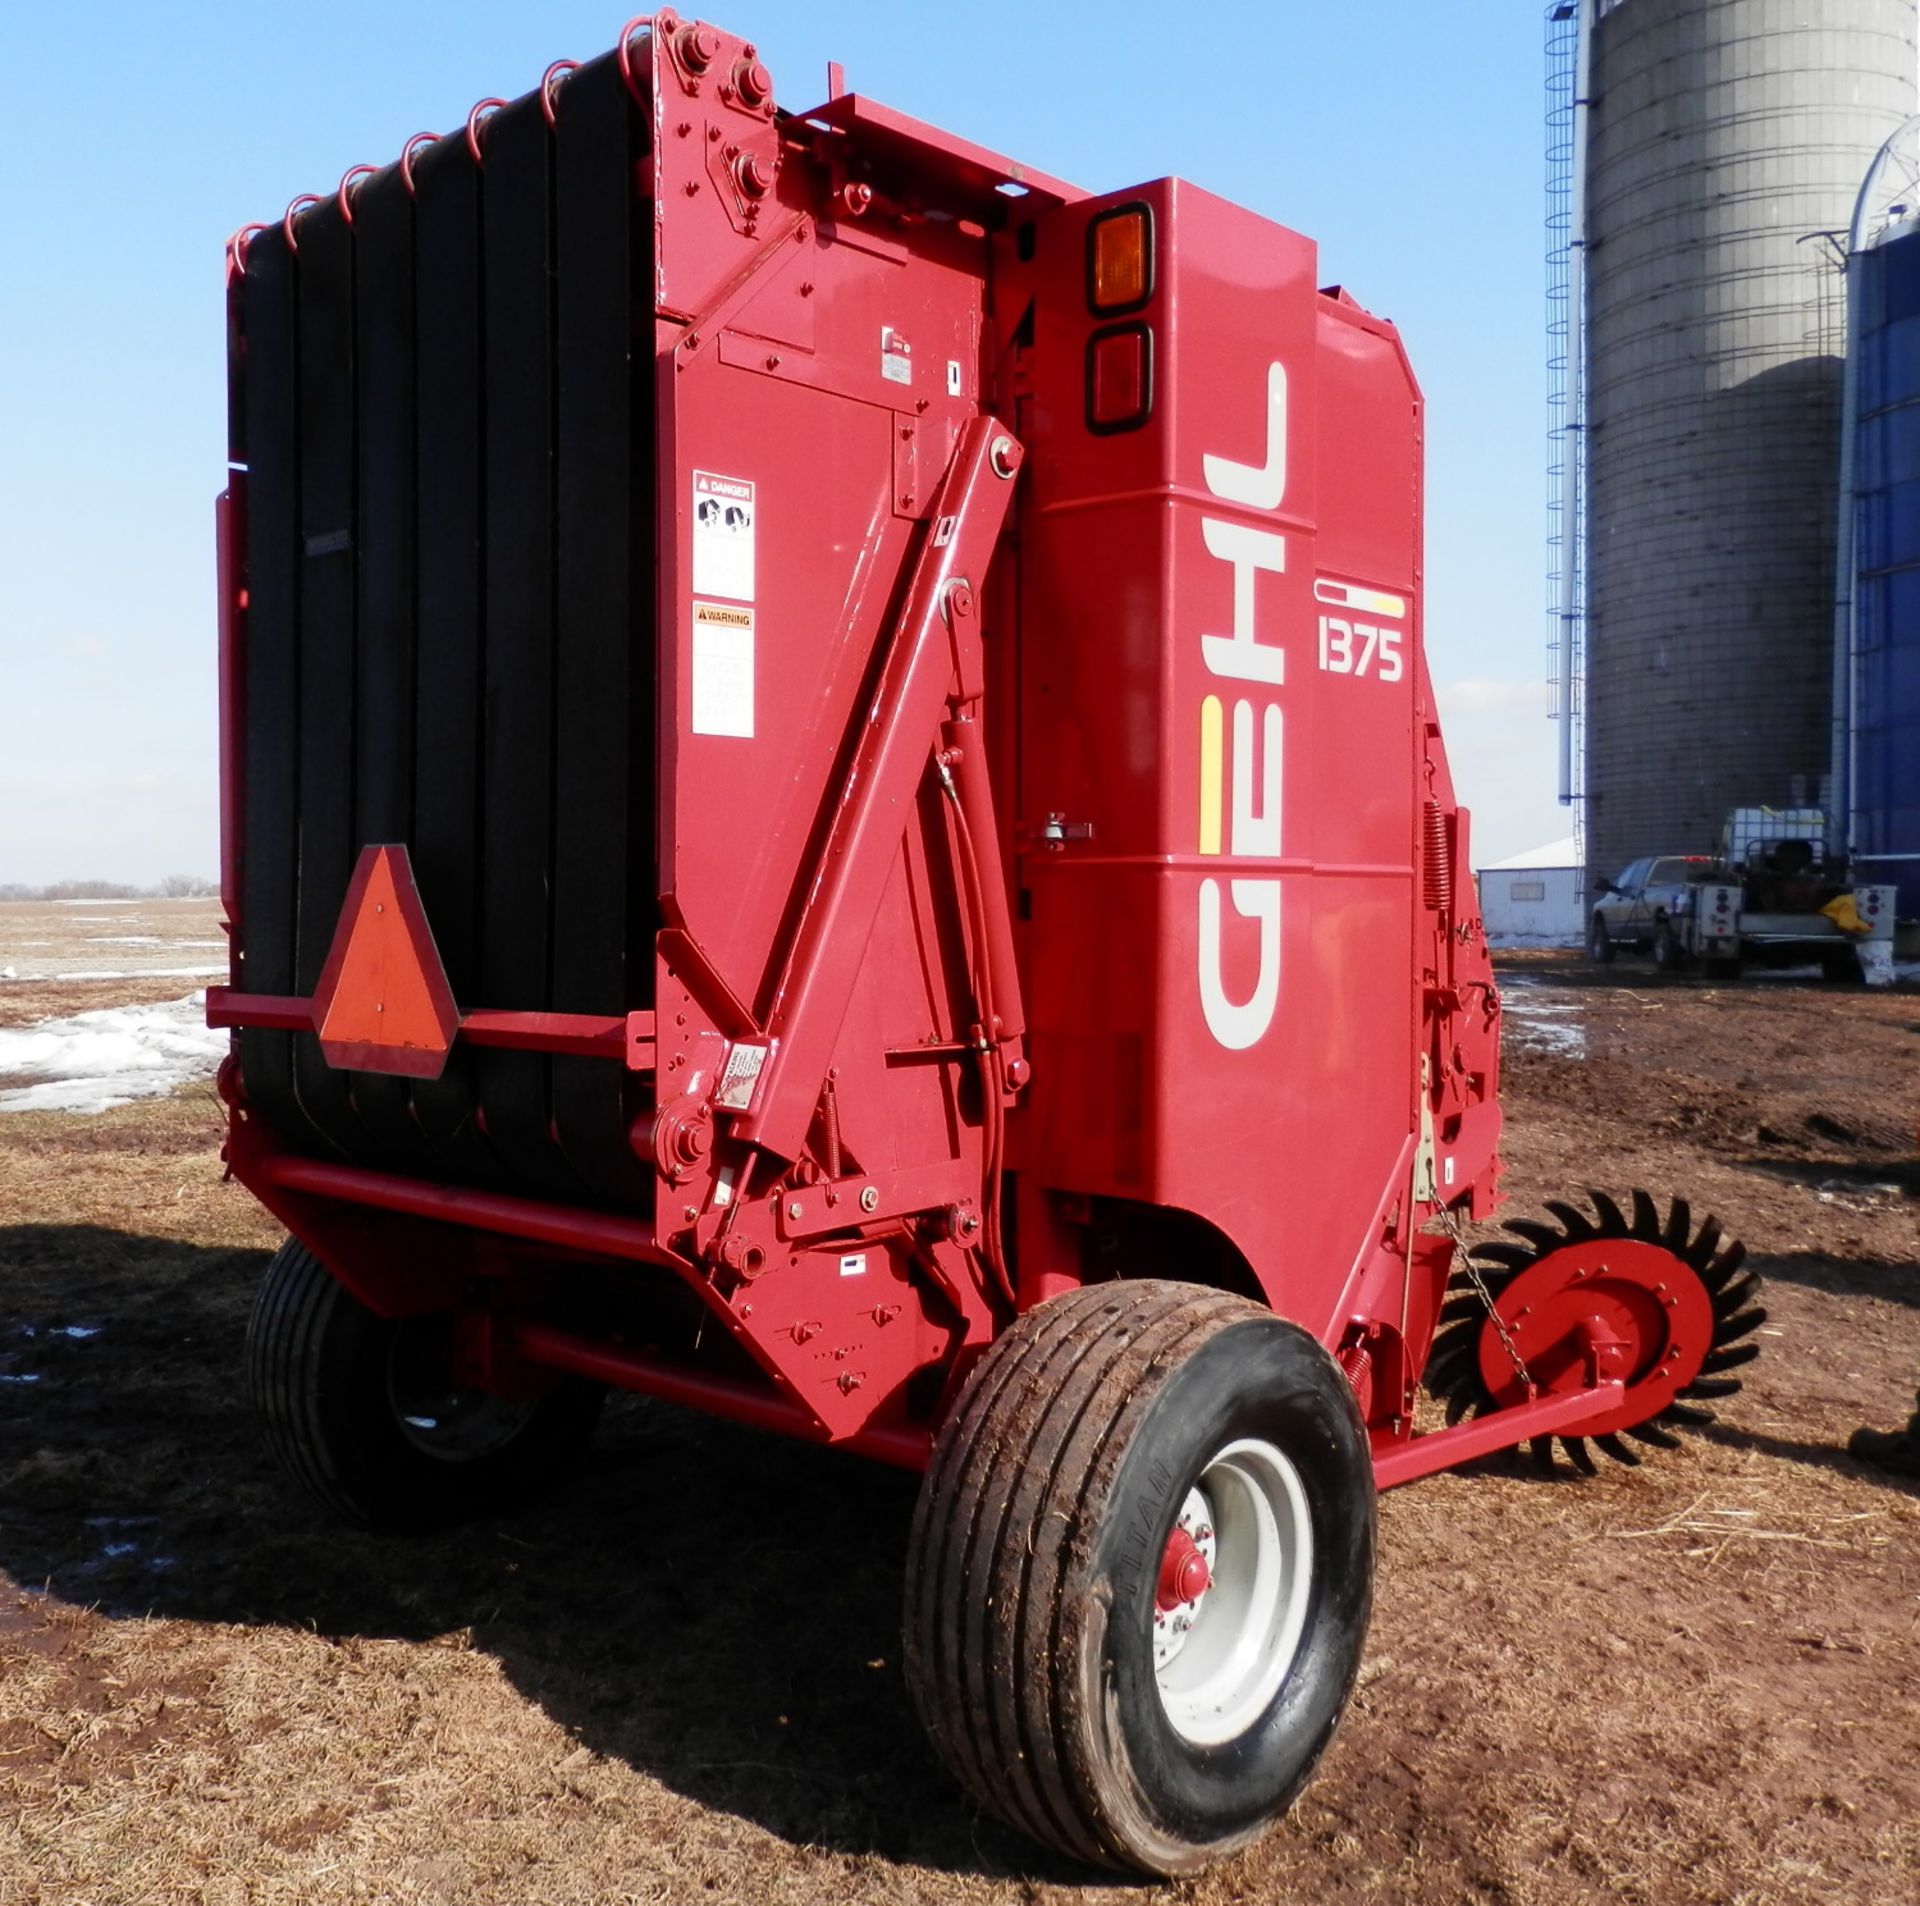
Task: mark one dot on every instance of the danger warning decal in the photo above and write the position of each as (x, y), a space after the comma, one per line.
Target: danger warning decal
(722, 536)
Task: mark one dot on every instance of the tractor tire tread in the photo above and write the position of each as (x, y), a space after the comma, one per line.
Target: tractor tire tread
(1012, 1481)
(290, 1314)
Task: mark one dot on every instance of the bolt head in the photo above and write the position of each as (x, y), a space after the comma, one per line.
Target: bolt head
(754, 174)
(755, 83)
(869, 1197)
(796, 1211)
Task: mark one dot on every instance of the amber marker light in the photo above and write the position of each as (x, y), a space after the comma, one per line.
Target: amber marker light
(1120, 260)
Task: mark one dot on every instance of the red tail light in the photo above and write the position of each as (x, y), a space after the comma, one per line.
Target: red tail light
(1119, 378)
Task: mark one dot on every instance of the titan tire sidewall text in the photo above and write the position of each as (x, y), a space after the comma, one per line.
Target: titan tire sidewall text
(1262, 1380)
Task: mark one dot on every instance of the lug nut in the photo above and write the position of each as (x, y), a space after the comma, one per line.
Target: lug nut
(699, 47)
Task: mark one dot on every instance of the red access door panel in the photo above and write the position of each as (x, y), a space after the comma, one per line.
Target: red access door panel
(1219, 628)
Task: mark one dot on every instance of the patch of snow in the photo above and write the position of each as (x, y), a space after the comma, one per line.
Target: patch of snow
(80, 1332)
(1552, 1026)
(145, 972)
(1539, 940)
(99, 903)
(124, 939)
(90, 1061)
(25, 1376)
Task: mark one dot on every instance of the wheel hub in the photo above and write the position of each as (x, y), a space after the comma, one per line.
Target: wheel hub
(1184, 1574)
(434, 1412)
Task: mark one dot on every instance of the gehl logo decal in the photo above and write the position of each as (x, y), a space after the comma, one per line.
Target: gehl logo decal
(1253, 807)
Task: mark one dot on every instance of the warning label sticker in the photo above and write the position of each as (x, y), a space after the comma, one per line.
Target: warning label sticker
(722, 536)
(722, 669)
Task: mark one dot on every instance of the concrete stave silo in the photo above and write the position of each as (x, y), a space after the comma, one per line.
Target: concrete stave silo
(1725, 141)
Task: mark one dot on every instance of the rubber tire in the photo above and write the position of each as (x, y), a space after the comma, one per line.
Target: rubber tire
(1668, 954)
(1599, 942)
(1722, 966)
(1034, 1561)
(317, 1362)
(1840, 966)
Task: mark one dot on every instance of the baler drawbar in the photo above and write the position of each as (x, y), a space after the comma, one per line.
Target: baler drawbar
(833, 812)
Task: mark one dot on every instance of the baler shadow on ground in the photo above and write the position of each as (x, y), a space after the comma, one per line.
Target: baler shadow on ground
(717, 1608)
(714, 1608)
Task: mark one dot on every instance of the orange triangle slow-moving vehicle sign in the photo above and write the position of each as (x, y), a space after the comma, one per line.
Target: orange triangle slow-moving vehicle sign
(383, 1003)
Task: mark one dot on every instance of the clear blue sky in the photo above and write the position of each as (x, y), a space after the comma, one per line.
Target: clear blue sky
(1404, 136)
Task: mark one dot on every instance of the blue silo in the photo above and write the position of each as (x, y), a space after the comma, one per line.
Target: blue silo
(1883, 769)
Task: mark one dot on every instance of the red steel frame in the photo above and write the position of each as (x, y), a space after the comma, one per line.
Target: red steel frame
(1104, 872)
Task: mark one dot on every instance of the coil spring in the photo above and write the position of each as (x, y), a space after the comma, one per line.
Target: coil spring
(1438, 841)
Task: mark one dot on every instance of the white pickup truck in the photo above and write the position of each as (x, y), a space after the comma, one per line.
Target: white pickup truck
(1768, 897)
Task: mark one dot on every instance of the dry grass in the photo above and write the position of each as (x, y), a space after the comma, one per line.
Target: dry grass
(1690, 1682)
(46, 939)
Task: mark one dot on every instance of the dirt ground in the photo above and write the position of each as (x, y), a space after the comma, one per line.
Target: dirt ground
(1687, 1682)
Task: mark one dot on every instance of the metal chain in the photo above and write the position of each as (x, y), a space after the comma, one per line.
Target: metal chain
(1451, 1224)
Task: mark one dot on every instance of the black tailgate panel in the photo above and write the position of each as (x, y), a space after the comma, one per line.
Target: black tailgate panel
(445, 406)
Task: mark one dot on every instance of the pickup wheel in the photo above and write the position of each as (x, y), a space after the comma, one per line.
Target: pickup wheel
(1841, 964)
(365, 1414)
(1668, 954)
(1721, 965)
(1599, 942)
(1141, 1572)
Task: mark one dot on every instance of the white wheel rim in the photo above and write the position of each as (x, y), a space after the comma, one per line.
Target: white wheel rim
(1220, 1658)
